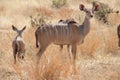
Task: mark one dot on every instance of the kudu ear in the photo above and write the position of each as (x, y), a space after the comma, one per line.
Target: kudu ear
(24, 28)
(95, 6)
(14, 28)
(81, 7)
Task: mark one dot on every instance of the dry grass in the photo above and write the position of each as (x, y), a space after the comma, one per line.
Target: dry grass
(97, 55)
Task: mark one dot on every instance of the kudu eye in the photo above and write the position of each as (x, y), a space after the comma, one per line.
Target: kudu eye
(87, 11)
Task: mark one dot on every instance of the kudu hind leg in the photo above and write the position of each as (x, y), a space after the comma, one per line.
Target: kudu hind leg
(14, 55)
(74, 48)
(119, 43)
(61, 47)
(37, 45)
(40, 52)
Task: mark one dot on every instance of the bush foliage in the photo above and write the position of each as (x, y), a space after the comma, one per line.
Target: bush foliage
(58, 3)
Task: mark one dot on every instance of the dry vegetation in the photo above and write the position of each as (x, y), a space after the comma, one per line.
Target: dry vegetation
(98, 58)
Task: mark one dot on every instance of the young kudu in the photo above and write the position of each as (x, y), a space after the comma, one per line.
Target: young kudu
(18, 44)
(71, 33)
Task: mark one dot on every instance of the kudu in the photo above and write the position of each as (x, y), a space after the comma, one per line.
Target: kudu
(71, 33)
(118, 33)
(18, 44)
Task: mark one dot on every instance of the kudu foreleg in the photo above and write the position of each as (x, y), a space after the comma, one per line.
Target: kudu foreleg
(40, 52)
(74, 48)
(14, 54)
(61, 47)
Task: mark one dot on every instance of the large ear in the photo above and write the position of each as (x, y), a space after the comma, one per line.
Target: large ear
(14, 28)
(95, 6)
(81, 7)
(24, 28)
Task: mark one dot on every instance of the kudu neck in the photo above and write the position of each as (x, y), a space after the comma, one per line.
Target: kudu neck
(86, 25)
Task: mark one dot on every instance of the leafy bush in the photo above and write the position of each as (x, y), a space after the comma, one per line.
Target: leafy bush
(104, 11)
(58, 3)
(38, 20)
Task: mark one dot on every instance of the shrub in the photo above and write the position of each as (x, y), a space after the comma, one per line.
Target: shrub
(104, 11)
(58, 3)
(38, 20)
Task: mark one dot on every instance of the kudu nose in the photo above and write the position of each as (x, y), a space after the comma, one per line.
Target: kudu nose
(91, 16)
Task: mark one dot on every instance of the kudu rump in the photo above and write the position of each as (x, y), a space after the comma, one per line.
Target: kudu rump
(18, 44)
(118, 33)
(65, 34)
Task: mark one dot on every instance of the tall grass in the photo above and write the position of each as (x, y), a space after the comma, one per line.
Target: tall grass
(56, 65)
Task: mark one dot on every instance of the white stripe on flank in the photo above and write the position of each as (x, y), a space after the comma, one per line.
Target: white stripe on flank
(61, 32)
(63, 35)
(68, 35)
(59, 24)
(56, 33)
(47, 31)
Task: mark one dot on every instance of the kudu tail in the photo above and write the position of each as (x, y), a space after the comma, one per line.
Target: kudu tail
(36, 36)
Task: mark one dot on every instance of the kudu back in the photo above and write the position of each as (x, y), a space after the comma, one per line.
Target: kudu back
(18, 44)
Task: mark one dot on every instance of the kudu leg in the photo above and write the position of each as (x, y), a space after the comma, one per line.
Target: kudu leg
(68, 48)
(14, 54)
(119, 43)
(19, 56)
(61, 47)
(40, 52)
(74, 48)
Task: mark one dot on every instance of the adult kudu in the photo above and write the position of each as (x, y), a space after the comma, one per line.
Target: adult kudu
(65, 34)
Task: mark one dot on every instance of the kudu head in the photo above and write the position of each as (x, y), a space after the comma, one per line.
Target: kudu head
(19, 32)
(89, 12)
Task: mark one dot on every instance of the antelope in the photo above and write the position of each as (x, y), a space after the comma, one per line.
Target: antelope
(71, 33)
(118, 33)
(18, 44)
